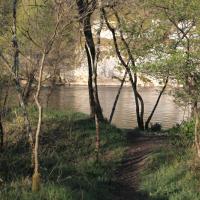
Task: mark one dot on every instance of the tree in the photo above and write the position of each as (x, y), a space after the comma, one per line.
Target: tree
(45, 46)
(117, 97)
(184, 59)
(137, 34)
(86, 9)
(39, 30)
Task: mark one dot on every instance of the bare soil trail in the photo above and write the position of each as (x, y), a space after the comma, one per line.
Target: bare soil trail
(139, 149)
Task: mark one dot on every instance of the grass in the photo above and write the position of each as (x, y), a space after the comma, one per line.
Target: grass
(69, 170)
(67, 158)
(172, 172)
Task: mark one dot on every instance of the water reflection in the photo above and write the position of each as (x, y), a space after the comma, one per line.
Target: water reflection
(76, 98)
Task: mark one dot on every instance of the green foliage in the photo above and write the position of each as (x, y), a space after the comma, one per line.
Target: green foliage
(169, 177)
(21, 190)
(67, 155)
(172, 173)
(182, 135)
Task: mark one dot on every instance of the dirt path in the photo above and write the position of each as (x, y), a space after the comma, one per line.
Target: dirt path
(140, 148)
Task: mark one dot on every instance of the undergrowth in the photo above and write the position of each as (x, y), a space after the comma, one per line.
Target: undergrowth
(67, 158)
(172, 172)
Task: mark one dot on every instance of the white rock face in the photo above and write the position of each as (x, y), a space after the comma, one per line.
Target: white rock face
(108, 74)
(108, 68)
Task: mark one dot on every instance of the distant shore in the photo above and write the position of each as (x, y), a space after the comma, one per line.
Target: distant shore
(114, 84)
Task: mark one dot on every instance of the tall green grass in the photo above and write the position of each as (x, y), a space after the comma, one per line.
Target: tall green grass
(67, 158)
(173, 172)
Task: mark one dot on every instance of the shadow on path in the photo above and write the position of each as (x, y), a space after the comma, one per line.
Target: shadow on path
(140, 148)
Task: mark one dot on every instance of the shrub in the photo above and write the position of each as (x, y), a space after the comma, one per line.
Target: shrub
(183, 135)
(156, 127)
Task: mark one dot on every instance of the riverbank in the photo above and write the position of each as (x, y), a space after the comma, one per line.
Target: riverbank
(169, 175)
(172, 172)
(67, 158)
(158, 167)
(132, 166)
(109, 82)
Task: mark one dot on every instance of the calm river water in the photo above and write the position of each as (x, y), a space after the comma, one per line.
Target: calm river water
(76, 98)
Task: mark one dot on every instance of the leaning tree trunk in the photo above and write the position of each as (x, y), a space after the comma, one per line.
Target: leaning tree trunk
(156, 104)
(117, 97)
(139, 103)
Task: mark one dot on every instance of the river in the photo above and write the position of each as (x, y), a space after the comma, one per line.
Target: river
(76, 98)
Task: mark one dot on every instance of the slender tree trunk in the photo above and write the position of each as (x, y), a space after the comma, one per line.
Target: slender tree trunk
(97, 118)
(85, 14)
(15, 69)
(156, 104)
(94, 65)
(90, 87)
(36, 175)
(45, 52)
(92, 78)
(138, 98)
(117, 97)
